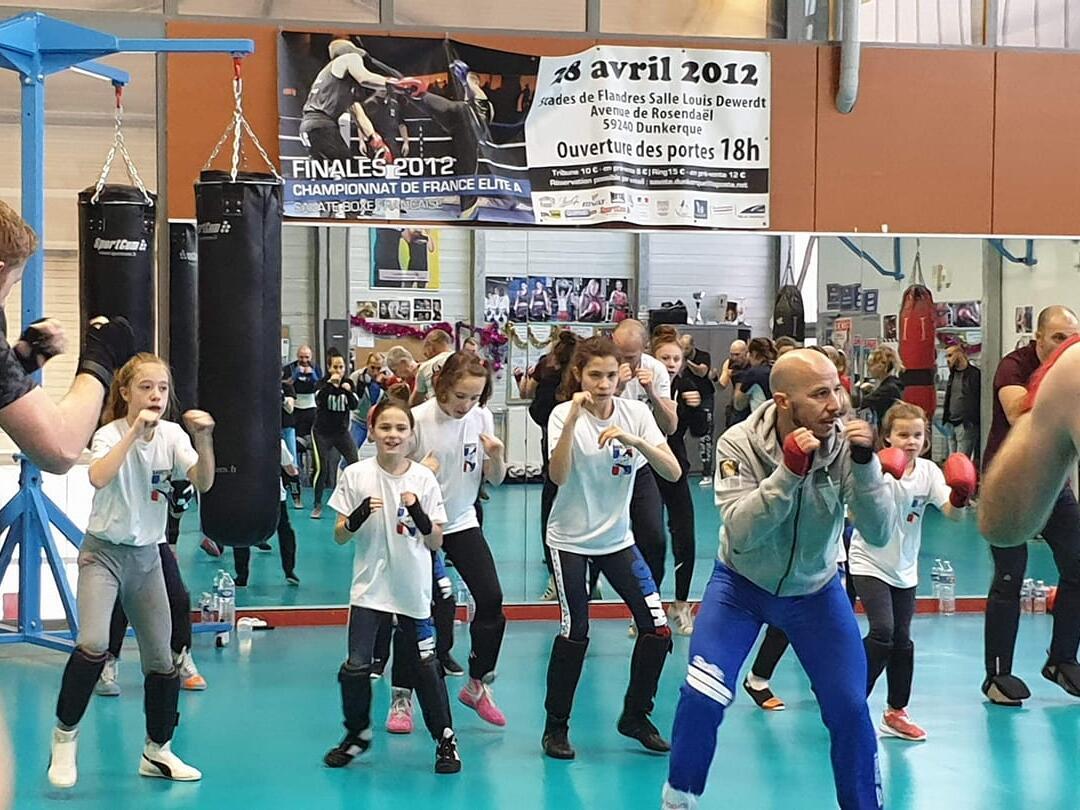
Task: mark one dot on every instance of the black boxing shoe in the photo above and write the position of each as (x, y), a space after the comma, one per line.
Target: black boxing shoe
(348, 749)
(556, 740)
(1065, 674)
(446, 754)
(642, 730)
(1005, 690)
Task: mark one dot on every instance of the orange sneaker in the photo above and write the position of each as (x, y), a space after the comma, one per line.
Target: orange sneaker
(190, 679)
(896, 723)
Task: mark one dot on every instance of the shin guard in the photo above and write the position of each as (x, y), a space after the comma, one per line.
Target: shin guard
(431, 692)
(355, 696)
(646, 664)
(564, 672)
(161, 695)
(76, 687)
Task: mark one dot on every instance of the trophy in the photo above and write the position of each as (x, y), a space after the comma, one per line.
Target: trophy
(697, 307)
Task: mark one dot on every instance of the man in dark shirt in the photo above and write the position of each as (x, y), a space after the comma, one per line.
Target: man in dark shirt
(697, 369)
(1062, 532)
(962, 402)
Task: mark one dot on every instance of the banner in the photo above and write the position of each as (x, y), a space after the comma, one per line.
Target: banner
(653, 136)
(413, 129)
(405, 258)
(403, 128)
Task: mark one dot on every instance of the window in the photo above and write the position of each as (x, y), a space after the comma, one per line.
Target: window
(700, 18)
(550, 15)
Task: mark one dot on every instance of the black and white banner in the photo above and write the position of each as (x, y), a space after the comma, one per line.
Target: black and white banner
(651, 136)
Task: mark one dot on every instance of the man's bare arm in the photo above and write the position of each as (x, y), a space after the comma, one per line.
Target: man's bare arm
(53, 435)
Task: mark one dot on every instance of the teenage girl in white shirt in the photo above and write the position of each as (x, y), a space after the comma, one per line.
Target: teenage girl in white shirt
(598, 442)
(135, 457)
(393, 508)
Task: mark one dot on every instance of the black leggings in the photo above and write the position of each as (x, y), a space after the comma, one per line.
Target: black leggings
(680, 520)
(179, 608)
(1062, 534)
(888, 645)
(355, 674)
(329, 449)
(547, 498)
(286, 545)
(646, 522)
(471, 556)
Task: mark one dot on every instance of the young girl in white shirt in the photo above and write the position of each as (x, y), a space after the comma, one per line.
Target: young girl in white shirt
(598, 441)
(135, 457)
(393, 508)
(886, 577)
(455, 438)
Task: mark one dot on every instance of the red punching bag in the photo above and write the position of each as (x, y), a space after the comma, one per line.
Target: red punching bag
(918, 344)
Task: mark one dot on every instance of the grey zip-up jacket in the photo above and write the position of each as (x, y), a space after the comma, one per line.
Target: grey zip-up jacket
(782, 531)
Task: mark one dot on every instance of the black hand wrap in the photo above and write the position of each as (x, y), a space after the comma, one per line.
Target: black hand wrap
(359, 515)
(419, 517)
(38, 343)
(107, 347)
(860, 454)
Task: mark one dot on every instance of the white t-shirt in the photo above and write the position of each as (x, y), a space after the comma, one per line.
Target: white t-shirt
(591, 513)
(131, 510)
(391, 564)
(897, 563)
(460, 453)
(425, 375)
(661, 384)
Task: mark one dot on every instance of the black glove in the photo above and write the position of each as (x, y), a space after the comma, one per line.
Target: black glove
(860, 454)
(359, 515)
(108, 346)
(419, 517)
(39, 349)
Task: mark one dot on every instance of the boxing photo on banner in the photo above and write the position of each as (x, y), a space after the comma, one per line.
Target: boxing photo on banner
(967, 314)
(497, 300)
(403, 128)
(405, 258)
(618, 300)
(591, 303)
(541, 298)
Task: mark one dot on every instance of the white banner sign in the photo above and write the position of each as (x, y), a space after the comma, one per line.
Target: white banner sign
(652, 136)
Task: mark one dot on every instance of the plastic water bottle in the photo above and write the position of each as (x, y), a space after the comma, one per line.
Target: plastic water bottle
(215, 597)
(205, 602)
(947, 600)
(935, 578)
(227, 612)
(1040, 597)
(1027, 596)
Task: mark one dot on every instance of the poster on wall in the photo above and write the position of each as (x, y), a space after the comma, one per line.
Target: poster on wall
(967, 314)
(1023, 320)
(403, 128)
(870, 301)
(653, 136)
(888, 328)
(405, 258)
(832, 297)
(543, 299)
(399, 309)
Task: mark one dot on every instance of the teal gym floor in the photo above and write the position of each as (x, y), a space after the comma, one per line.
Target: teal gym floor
(512, 528)
(270, 713)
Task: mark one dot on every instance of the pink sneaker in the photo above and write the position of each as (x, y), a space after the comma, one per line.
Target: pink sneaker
(477, 695)
(400, 721)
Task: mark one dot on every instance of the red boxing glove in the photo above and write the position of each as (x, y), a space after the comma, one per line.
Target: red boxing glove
(1040, 373)
(962, 479)
(794, 458)
(410, 84)
(893, 461)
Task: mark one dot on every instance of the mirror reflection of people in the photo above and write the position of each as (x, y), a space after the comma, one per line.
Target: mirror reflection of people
(735, 362)
(334, 402)
(963, 402)
(438, 346)
(698, 371)
(752, 383)
(883, 388)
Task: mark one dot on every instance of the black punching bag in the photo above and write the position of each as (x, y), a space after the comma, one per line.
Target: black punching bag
(116, 258)
(183, 312)
(239, 230)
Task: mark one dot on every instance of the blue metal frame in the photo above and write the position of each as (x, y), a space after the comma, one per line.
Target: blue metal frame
(1028, 259)
(897, 274)
(35, 46)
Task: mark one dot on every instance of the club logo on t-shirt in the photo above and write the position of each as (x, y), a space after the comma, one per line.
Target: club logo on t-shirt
(918, 505)
(405, 523)
(160, 485)
(470, 453)
(622, 459)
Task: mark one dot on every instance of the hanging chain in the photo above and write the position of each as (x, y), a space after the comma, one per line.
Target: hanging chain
(916, 267)
(119, 145)
(236, 127)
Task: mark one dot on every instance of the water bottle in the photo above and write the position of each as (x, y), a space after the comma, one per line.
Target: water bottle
(935, 578)
(1041, 592)
(227, 613)
(215, 597)
(205, 602)
(947, 601)
(1027, 596)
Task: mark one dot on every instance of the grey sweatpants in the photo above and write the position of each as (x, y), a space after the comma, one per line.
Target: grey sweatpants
(134, 572)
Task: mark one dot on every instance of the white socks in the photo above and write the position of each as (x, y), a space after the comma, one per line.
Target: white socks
(756, 683)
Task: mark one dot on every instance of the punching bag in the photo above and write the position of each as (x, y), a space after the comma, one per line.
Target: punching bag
(183, 312)
(918, 347)
(116, 258)
(239, 366)
(789, 317)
